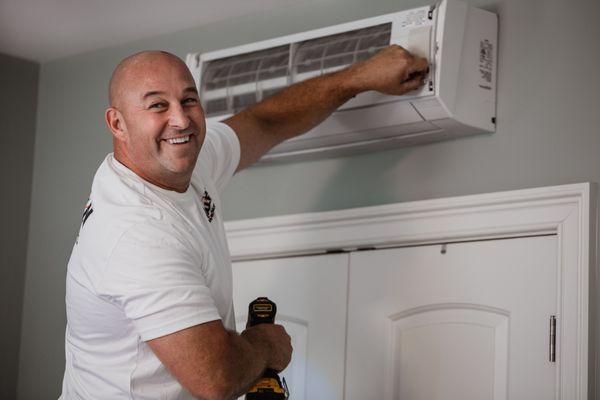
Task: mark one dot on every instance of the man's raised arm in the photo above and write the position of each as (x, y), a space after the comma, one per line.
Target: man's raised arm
(302, 106)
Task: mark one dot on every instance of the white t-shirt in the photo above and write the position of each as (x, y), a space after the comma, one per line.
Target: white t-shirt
(148, 262)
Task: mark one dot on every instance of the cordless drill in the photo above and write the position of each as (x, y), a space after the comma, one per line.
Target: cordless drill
(269, 386)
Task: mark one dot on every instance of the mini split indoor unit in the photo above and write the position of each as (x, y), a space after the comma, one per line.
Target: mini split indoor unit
(458, 99)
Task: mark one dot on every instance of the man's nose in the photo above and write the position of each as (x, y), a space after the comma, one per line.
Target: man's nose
(178, 118)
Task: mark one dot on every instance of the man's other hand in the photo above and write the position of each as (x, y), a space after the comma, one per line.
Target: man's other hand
(277, 340)
(392, 70)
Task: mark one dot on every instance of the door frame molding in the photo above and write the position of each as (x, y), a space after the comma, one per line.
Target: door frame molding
(568, 211)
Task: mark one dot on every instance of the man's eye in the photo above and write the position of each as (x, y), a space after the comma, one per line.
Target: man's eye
(190, 100)
(157, 105)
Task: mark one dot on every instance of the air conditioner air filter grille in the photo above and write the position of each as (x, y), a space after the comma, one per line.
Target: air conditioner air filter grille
(233, 83)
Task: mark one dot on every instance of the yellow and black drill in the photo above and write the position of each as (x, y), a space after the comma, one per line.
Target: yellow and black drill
(269, 386)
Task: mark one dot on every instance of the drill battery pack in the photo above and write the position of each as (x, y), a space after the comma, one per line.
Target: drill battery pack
(269, 387)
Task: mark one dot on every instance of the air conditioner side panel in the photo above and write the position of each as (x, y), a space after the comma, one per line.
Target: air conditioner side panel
(476, 91)
(451, 26)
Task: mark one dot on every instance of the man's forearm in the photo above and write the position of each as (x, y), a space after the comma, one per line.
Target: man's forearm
(300, 107)
(213, 363)
(242, 363)
(304, 105)
(291, 112)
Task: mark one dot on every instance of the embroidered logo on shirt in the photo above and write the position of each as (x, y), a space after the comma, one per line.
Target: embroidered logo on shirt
(208, 206)
(87, 211)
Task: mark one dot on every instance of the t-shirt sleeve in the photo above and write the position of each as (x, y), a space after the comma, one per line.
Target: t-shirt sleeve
(220, 153)
(157, 283)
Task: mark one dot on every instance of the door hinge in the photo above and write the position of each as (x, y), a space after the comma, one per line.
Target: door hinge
(552, 339)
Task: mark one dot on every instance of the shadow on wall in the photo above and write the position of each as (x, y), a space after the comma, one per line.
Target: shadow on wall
(375, 178)
(362, 180)
(353, 181)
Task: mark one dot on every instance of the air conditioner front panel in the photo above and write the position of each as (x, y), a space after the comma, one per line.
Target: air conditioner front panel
(401, 20)
(356, 142)
(393, 114)
(234, 80)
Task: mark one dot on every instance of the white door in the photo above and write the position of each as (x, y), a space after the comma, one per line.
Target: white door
(310, 293)
(467, 323)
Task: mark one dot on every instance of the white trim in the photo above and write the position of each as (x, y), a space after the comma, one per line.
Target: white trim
(568, 211)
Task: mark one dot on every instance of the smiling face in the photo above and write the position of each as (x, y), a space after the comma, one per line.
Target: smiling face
(156, 119)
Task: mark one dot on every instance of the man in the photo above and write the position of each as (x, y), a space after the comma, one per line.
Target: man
(149, 292)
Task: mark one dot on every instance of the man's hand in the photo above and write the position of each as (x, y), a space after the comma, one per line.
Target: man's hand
(278, 344)
(302, 106)
(392, 71)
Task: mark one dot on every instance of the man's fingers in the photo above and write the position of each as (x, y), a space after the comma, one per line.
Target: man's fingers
(394, 71)
(412, 84)
(419, 66)
(416, 75)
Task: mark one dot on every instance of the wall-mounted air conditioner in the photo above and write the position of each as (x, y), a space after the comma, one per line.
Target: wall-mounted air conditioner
(458, 98)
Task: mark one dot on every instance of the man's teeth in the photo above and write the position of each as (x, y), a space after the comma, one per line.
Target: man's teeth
(179, 140)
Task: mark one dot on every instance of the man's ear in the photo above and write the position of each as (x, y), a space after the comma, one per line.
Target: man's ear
(116, 123)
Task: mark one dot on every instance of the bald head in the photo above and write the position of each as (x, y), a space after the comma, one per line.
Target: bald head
(131, 68)
(154, 100)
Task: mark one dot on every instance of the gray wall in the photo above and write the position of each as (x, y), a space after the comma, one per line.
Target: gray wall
(548, 126)
(18, 99)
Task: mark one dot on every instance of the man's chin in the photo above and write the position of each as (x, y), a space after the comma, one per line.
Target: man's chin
(183, 168)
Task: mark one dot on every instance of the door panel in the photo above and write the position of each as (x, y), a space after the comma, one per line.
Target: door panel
(310, 293)
(437, 337)
(467, 323)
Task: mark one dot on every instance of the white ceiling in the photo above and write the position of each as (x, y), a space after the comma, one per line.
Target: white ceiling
(43, 30)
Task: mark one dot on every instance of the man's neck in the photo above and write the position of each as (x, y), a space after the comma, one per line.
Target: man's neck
(179, 187)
